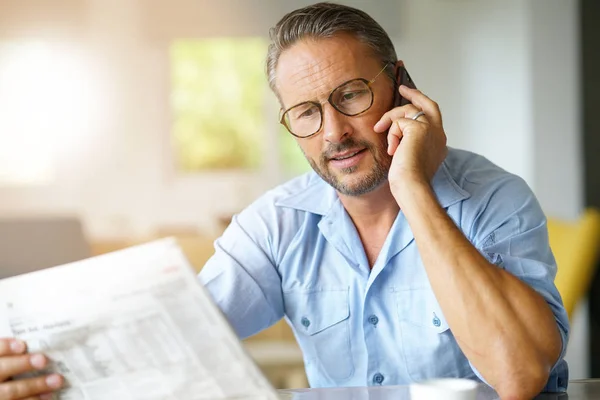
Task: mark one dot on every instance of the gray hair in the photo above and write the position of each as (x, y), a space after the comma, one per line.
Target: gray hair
(325, 20)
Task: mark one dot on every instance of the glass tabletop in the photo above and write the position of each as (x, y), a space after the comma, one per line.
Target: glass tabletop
(578, 390)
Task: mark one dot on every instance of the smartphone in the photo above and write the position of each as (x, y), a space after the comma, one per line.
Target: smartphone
(403, 78)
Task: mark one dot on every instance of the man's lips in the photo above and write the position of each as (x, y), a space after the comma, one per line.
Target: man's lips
(347, 159)
(345, 155)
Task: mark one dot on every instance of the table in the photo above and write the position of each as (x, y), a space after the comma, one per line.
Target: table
(586, 389)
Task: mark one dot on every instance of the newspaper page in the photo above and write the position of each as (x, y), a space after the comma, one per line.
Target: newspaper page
(134, 324)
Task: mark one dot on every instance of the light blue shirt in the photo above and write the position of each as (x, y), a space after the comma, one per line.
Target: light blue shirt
(295, 253)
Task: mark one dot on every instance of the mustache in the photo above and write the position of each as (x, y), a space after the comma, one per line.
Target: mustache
(347, 144)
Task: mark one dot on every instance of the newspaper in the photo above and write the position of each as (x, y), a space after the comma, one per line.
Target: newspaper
(134, 324)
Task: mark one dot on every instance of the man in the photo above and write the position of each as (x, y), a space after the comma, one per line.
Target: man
(398, 259)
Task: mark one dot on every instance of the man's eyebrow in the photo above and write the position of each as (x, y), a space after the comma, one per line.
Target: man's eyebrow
(321, 94)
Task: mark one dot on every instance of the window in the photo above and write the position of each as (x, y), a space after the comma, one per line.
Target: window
(45, 98)
(222, 108)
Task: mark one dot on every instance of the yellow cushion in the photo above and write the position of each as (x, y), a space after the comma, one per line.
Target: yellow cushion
(576, 247)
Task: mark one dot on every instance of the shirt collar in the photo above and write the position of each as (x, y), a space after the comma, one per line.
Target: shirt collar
(318, 197)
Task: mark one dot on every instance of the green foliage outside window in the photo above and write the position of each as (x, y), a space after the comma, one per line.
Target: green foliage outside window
(218, 101)
(291, 156)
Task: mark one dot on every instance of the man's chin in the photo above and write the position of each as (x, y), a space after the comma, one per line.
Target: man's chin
(357, 185)
(353, 181)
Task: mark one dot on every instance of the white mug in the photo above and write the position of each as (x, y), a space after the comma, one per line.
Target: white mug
(444, 389)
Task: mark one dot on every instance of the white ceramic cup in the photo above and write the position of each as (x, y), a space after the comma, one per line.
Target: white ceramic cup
(444, 389)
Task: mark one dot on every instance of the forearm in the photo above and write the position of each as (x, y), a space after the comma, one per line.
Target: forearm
(504, 327)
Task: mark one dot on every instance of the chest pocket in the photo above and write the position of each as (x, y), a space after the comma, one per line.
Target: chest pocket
(321, 321)
(427, 342)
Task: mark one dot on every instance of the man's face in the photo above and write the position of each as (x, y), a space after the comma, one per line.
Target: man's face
(346, 152)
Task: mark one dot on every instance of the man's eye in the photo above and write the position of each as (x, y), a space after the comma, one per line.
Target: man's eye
(352, 95)
(308, 113)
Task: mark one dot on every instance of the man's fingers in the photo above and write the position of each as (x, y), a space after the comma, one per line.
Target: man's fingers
(406, 123)
(422, 102)
(15, 365)
(10, 346)
(387, 120)
(26, 388)
(393, 143)
(389, 123)
(394, 136)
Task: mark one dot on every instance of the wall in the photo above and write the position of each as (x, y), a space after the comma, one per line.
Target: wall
(557, 132)
(462, 54)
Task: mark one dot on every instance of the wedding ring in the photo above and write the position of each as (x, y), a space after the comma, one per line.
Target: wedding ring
(419, 114)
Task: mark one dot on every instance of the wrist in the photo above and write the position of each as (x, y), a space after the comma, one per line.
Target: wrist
(410, 190)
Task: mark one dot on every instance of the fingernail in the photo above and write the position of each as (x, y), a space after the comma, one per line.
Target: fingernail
(17, 346)
(38, 361)
(377, 125)
(54, 381)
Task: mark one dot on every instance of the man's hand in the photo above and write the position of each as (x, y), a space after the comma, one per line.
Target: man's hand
(418, 146)
(15, 360)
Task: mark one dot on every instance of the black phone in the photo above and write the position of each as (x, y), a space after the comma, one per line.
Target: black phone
(403, 78)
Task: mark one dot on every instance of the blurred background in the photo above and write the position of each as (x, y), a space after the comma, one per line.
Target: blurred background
(122, 121)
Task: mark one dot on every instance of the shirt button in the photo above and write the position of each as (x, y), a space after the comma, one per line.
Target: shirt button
(436, 321)
(305, 322)
(373, 319)
(377, 378)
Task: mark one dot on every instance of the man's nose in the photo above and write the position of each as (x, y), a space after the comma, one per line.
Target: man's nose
(335, 124)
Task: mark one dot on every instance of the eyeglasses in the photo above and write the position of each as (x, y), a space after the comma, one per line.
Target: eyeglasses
(351, 98)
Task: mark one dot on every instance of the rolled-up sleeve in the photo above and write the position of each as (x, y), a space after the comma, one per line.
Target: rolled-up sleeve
(241, 276)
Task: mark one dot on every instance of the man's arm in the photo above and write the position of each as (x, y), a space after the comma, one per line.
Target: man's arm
(505, 328)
